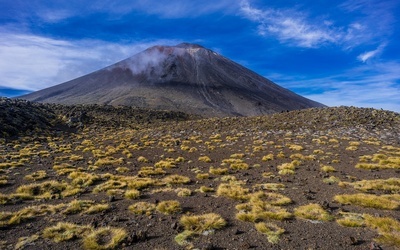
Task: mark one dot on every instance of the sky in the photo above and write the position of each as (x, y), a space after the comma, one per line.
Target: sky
(337, 52)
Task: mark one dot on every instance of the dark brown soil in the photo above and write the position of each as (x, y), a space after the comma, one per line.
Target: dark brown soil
(330, 131)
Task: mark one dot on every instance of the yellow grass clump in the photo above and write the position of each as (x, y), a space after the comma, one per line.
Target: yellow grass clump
(233, 191)
(195, 225)
(271, 230)
(218, 171)
(312, 212)
(64, 231)
(104, 238)
(132, 194)
(387, 227)
(390, 185)
(176, 179)
(205, 159)
(391, 202)
(169, 207)
(142, 208)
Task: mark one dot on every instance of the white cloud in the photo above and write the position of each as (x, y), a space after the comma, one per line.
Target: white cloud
(371, 85)
(361, 23)
(289, 26)
(33, 62)
(364, 57)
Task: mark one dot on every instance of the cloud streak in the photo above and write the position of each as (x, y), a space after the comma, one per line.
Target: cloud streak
(364, 57)
(370, 85)
(297, 28)
(32, 62)
(288, 26)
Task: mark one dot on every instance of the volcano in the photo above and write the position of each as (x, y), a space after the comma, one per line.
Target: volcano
(186, 77)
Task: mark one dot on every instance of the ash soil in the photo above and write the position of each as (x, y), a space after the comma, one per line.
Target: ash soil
(325, 133)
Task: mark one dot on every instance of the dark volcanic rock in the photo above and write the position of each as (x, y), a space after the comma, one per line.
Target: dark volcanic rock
(186, 77)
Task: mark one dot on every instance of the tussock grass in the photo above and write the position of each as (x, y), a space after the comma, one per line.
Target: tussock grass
(268, 157)
(239, 166)
(141, 183)
(36, 176)
(142, 208)
(205, 159)
(204, 189)
(45, 190)
(388, 229)
(275, 199)
(270, 186)
(150, 171)
(218, 171)
(23, 242)
(390, 202)
(350, 219)
(233, 191)
(295, 147)
(142, 159)
(391, 185)
(64, 231)
(271, 230)
(165, 164)
(183, 192)
(169, 207)
(104, 238)
(176, 179)
(261, 210)
(97, 208)
(202, 176)
(327, 169)
(331, 179)
(312, 212)
(132, 194)
(83, 179)
(77, 206)
(110, 185)
(28, 213)
(201, 223)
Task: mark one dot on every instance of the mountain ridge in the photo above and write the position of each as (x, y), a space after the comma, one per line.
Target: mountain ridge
(186, 77)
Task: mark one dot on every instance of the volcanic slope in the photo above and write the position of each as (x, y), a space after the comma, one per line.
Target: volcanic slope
(323, 178)
(186, 77)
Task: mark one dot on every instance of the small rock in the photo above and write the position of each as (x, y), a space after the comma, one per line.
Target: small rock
(174, 225)
(375, 246)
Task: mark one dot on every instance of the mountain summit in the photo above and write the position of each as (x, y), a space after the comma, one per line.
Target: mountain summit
(186, 77)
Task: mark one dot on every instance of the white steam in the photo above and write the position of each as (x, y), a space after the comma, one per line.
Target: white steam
(153, 60)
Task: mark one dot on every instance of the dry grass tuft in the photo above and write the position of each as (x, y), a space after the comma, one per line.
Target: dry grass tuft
(142, 208)
(169, 207)
(350, 219)
(312, 212)
(388, 229)
(390, 185)
(132, 194)
(201, 223)
(233, 191)
(391, 202)
(218, 171)
(176, 179)
(272, 231)
(104, 238)
(64, 231)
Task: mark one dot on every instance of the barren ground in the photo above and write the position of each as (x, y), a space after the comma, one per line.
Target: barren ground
(99, 164)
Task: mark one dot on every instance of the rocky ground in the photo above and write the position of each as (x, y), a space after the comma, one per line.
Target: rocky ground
(104, 178)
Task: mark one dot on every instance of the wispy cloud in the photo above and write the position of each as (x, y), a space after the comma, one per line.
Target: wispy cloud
(289, 26)
(370, 85)
(33, 62)
(370, 25)
(364, 57)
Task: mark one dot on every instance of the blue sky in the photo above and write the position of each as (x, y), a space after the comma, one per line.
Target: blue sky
(341, 52)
